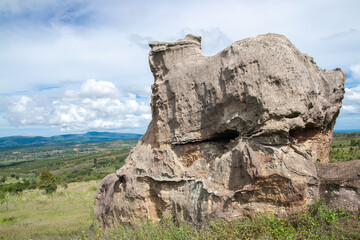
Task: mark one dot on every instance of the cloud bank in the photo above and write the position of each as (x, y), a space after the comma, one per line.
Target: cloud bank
(351, 101)
(96, 105)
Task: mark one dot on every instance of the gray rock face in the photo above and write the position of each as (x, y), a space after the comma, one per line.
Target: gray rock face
(232, 134)
(340, 185)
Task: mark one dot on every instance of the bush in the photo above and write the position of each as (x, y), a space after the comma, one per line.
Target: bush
(3, 179)
(47, 182)
(49, 187)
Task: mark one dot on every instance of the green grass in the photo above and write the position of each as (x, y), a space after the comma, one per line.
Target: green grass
(68, 213)
(317, 222)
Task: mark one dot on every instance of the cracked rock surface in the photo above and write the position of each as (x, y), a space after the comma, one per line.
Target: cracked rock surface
(232, 134)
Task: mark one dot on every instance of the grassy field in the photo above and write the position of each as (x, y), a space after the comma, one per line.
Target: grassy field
(66, 214)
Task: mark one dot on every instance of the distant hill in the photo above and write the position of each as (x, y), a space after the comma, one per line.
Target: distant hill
(24, 141)
(347, 131)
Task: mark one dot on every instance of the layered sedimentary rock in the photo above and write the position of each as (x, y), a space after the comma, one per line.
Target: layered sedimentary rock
(231, 135)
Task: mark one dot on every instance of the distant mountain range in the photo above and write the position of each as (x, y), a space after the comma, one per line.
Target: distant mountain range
(24, 141)
(347, 131)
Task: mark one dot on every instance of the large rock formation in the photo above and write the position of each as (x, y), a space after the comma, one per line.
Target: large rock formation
(232, 134)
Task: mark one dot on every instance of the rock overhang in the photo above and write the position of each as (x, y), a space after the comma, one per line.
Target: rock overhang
(263, 99)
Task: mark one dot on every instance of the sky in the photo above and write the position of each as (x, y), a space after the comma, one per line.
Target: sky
(82, 65)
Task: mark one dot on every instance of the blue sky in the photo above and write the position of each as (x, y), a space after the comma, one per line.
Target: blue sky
(82, 65)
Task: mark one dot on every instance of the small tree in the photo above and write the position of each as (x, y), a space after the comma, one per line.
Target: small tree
(47, 182)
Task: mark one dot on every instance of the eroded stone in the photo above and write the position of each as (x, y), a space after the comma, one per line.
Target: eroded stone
(232, 134)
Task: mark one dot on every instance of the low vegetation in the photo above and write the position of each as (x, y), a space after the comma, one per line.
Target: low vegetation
(82, 162)
(64, 214)
(346, 147)
(316, 222)
(68, 214)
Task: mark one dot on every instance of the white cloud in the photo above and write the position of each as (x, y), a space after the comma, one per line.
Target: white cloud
(351, 102)
(353, 79)
(52, 41)
(349, 109)
(355, 71)
(97, 89)
(96, 105)
(352, 95)
(51, 55)
(32, 110)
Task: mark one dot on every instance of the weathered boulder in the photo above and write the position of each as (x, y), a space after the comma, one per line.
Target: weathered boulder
(232, 134)
(340, 185)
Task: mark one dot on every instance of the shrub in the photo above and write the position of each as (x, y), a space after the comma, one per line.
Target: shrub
(47, 182)
(3, 179)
